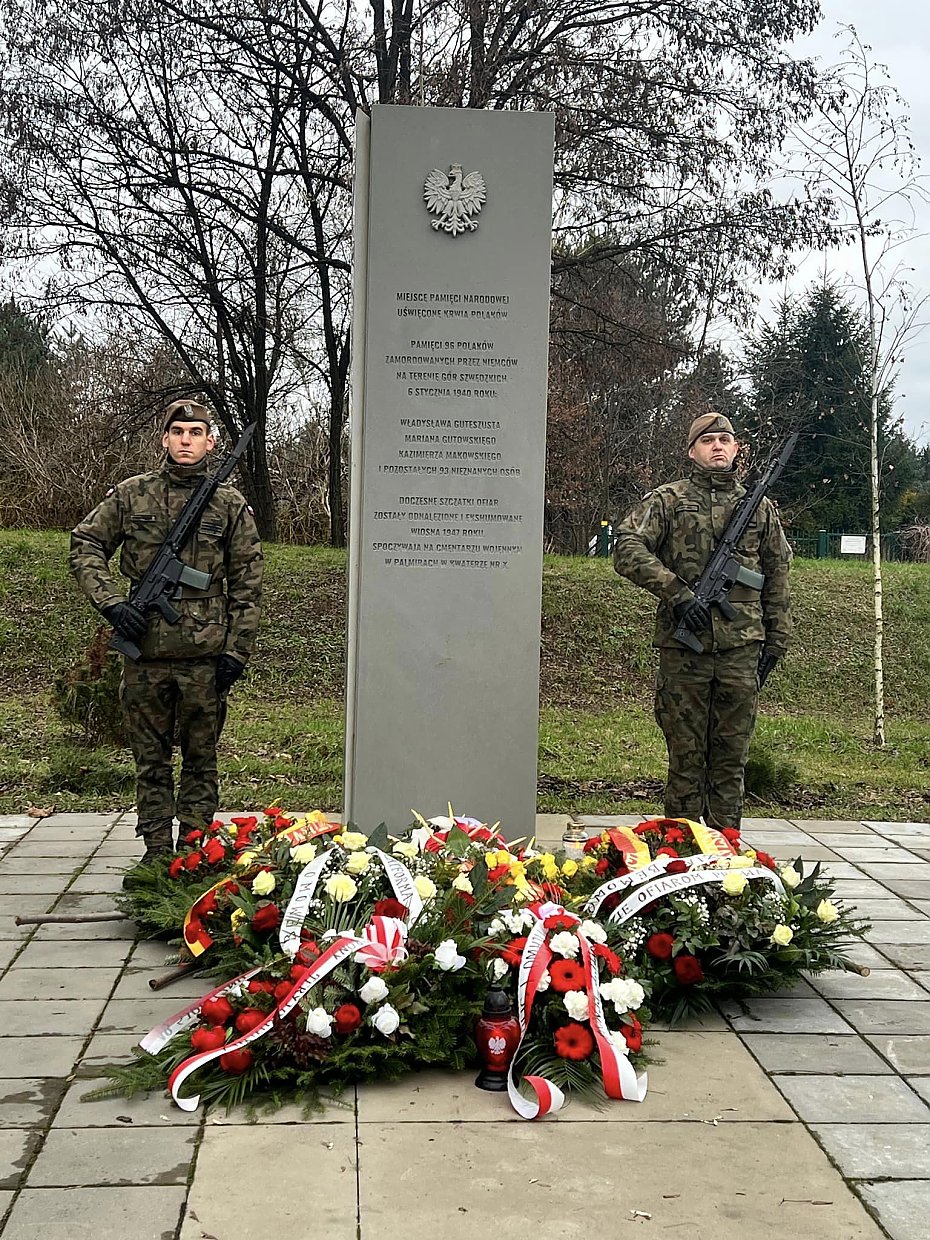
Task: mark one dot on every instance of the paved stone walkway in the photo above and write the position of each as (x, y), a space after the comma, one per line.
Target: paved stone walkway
(806, 1114)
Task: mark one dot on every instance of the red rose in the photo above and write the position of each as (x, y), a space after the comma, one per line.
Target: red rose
(237, 1062)
(513, 952)
(298, 972)
(676, 867)
(282, 990)
(560, 921)
(231, 887)
(208, 1038)
(206, 904)
(307, 954)
(175, 868)
(192, 860)
(566, 975)
(215, 825)
(765, 859)
(592, 843)
(666, 851)
(347, 1018)
(390, 908)
(633, 1035)
(611, 959)
(216, 1011)
(573, 1041)
(272, 811)
(661, 946)
(248, 823)
(281, 823)
(602, 867)
(247, 1020)
(214, 852)
(193, 837)
(255, 987)
(687, 970)
(268, 917)
(731, 835)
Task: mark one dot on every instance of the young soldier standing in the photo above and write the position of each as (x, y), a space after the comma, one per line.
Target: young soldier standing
(705, 703)
(179, 685)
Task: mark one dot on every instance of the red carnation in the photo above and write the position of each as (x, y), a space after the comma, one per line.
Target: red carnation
(566, 975)
(560, 921)
(298, 972)
(498, 873)
(247, 1020)
(214, 852)
(272, 811)
(193, 837)
(192, 860)
(216, 1011)
(215, 825)
(661, 946)
(666, 851)
(573, 1041)
(347, 1018)
(731, 835)
(513, 952)
(194, 931)
(282, 823)
(175, 868)
(307, 954)
(633, 1034)
(390, 908)
(592, 843)
(687, 970)
(765, 859)
(675, 835)
(676, 867)
(610, 958)
(237, 1062)
(268, 917)
(231, 887)
(282, 990)
(602, 867)
(249, 823)
(208, 1038)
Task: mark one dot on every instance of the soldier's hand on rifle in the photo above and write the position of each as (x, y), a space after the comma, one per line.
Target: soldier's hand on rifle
(693, 614)
(228, 671)
(127, 620)
(767, 665)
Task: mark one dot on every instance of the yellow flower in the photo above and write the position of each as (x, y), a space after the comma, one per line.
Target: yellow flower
(403, 849)
(462, 882)
(740, 863)
(358, 863)
(782, 935)
(504, 857)
(264, 884)
(352, 840)
(490, 860)
(827, 911)
(734, 883)
(426, 888)
(245, 859)
(236, 918)
(789, 876)
(517, 870)
(340, 888)
(751, 854)
(545, 859)
(588, 862)
(550, 871)
(569, 868)
(303, 853)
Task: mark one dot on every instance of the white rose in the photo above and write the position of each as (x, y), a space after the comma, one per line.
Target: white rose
(565, 943)
(789, 876)
(303, 854)
(403, 849)
(827, 911)
(425, 887)
(498, 969)
(448, 958)
(358, 863)
(576, 1004)
(374, 990)
(594, 932)
(352, 840)
(462, 882)
(263, 884)
(386, 1019)
(320, 1022)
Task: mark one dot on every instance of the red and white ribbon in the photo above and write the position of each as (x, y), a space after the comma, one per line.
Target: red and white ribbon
(159, 1037)
(669, 883)
(385, 944)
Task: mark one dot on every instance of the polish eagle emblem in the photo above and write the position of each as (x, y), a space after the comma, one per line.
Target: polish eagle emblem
(454, 199)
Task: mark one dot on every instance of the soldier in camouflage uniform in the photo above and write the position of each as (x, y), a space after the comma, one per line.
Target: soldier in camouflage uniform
(705, 703)
(179, 686)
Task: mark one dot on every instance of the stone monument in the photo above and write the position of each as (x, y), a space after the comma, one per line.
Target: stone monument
(453, 217)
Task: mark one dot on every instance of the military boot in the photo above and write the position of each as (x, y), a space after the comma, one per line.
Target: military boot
(159, 842)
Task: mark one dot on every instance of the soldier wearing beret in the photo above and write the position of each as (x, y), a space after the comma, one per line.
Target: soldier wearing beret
(705, 703)
(178, 688)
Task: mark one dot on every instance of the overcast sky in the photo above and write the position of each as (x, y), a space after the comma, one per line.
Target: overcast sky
(898, 33)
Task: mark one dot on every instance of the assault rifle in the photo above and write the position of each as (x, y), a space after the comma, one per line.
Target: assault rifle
(723, 569)
(164, 577)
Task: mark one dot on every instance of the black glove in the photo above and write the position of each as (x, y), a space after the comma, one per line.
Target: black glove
(693, 614)
(228, 671)
(127, 620)
(767, 664)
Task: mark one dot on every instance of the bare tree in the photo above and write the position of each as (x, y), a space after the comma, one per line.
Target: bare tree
(857, 148)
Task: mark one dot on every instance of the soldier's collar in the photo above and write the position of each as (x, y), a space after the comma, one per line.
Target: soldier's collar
(183, 473)
(714, 479)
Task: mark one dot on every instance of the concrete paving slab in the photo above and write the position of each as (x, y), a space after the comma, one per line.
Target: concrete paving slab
(17, 863)
(48, 1017)
(146, 1213)
(33, 846)
(57, 983)
(769, 840)
(134, 984)
(877, 1151)
(853, 1100)
(864, 954)
(706, 1022)
(28, 1102)
(882, 984)
(853, 889)
(341, 1110)
(900, 828)
(152, 954)
(107, 1048)
(886, 909)
(898, 932)
(817, 1053)
(17, 1145)
(920, 1085)
(76, 903)
(78, 822)
(890, 855)
(99, 931)
(96, 883)
(12, 885)
(10, 822)
(328, 1196)
(902, 1206)
(128, 850)
(890, 1016)
(80, 954)
(907, 889)
(843, 826)
(729, 1182)
(908, 1054)
(913, 870)
(773, 1015)
(770, 824)
(907, 955)
(844, 869)
(33, 1055)
(138, 1015)
(851, 839)
(8, 949)
(81, 1157)
(155, 1110)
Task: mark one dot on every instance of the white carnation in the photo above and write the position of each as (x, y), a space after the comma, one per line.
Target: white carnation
(593, 931)
(498, 969)
(576, 1004)
(565, 943)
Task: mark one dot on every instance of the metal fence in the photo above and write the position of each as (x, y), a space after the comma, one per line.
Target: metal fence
(822, 545)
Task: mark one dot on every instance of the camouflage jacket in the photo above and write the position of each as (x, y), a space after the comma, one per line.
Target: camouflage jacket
(665, 542)
(136, 516)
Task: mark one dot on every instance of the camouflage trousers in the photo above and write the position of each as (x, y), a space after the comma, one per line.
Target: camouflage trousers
(705, 705)
(165, 699)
